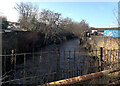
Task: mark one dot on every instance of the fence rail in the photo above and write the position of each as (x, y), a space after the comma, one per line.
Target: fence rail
(81, 78)
(49, 66)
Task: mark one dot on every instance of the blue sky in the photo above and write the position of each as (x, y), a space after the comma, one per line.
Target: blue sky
(97, 14)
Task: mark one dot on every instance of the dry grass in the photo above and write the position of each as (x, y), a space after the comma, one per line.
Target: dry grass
(110, 55)
(106, 42)
(110, 47)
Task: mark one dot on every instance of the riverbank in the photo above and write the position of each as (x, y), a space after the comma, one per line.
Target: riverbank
(26, 42)
(111, 44)
(23, 42)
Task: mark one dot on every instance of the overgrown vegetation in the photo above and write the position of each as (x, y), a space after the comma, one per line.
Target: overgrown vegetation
(110, 47)
(52, 24)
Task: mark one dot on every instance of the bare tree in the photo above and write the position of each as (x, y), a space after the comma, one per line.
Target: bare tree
(28, 14)
(52, 22)
(48, 22)
(66, 22)
(75, 27)
(84, 26)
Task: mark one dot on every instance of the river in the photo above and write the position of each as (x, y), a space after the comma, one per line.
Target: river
(71, 56)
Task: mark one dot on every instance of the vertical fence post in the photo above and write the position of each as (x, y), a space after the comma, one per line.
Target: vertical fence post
(101, 59)
(33, 56)
(74, 59)
(4, 62)
(97, 61)
(64, 63)
(69, 64)
(15, 65)
(74, 65)
(80, 40)
(58, 64)
(24, 68)
(33, 65)
(48, 62)
(69, 60)
(12, 59)
(11, 64)
(40, 62)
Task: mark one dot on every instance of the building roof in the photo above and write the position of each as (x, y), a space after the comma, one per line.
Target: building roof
(102, 29)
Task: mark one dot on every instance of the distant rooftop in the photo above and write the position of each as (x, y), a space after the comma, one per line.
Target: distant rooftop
(102, 29)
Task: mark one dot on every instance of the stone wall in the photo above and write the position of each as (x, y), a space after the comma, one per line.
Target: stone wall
(110, 46)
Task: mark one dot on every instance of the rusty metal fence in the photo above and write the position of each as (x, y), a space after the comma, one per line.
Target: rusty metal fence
(42, 67)
(106, 58)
